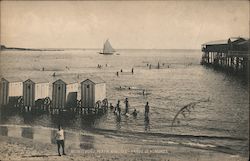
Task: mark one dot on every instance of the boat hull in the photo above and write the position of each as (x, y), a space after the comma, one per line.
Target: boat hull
(106, 53)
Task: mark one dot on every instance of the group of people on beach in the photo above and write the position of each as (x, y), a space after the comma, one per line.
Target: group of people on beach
(117, 108)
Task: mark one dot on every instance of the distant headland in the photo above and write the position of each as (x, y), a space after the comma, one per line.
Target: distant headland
(3, 47)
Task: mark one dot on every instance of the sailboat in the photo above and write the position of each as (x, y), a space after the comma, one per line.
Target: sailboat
(107, 49)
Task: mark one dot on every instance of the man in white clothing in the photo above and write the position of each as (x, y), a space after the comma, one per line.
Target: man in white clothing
(60, 140)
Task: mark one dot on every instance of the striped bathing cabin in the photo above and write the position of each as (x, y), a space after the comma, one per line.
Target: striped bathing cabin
(92, 90)
(10, 90)
(64, 93)
(34, 90)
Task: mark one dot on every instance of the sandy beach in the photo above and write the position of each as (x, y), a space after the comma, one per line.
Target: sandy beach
(16, 149)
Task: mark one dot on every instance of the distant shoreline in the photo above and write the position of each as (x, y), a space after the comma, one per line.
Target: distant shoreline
(29, 49)
(63, 49)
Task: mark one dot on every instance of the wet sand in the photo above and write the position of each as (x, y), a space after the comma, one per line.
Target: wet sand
(28, 150)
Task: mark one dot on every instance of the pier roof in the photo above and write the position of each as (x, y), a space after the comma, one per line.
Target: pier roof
(216, 42)
(220, 42)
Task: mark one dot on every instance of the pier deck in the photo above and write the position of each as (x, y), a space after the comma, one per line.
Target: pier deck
(232, 55)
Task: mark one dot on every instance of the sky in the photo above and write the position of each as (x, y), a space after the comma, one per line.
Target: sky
(127, 24)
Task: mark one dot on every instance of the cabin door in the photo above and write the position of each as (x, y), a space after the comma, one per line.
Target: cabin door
(28, 95)
(4, 93)
(89, 95)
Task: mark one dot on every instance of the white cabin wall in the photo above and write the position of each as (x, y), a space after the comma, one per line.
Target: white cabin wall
(100, 91)
(15, 89)
(41, 90)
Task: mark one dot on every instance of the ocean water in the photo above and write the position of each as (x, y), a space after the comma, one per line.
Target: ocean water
(217, 121)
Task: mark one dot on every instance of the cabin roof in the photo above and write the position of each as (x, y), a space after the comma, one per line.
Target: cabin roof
(12, 79)
(38, 80)
(67, 80)
(96, 80)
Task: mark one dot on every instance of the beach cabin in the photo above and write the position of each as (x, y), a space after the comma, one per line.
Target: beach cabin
(64, 93)
(10, 90)
(34, 90)
(92, 90)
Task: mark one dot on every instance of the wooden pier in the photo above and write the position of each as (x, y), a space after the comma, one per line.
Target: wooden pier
(230, 55)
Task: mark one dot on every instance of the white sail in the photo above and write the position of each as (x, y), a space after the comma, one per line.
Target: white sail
(107, 48)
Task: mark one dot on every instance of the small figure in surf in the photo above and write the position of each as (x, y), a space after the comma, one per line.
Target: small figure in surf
(134, 113)
(117, 108)
(111, 106)
(117, 74)
(146, 109)
(121, 70)
(126, 105)
(132, 71)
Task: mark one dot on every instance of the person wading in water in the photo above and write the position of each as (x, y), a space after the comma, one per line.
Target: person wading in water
(146, 109)
(117, 108)
(126, 105)
(60, 140)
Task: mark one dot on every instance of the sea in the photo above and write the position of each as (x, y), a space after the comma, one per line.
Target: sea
(190, 105)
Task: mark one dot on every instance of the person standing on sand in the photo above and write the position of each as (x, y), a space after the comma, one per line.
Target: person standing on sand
(146, 109)
(60, 140)
(132, 71)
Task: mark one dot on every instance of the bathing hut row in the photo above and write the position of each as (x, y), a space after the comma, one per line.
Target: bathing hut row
(36, 92)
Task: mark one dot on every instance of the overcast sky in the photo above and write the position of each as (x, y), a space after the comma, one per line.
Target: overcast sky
(127, 24)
